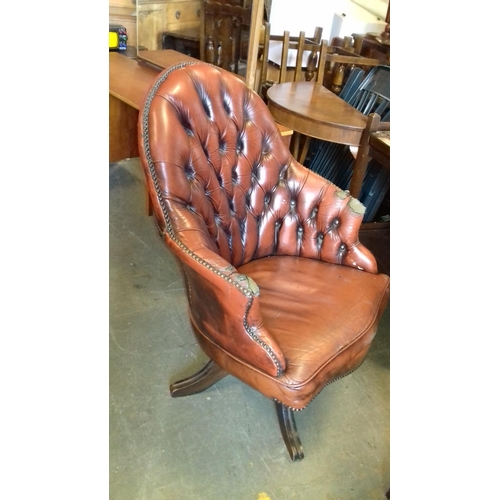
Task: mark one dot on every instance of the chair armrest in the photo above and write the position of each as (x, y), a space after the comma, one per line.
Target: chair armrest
(329, 219)
(224, 306)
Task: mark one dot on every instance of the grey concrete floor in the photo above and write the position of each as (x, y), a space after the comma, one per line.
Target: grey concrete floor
(225, 443)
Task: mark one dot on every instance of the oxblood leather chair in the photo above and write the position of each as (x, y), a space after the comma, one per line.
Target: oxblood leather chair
(281, 293)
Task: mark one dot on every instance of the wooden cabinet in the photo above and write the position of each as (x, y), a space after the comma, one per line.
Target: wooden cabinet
(155, 17)
(183, 14)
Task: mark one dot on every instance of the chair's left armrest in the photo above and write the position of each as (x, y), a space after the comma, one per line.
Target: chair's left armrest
(330, 220)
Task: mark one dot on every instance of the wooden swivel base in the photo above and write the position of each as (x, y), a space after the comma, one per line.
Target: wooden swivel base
(289, 432)
(212, 373)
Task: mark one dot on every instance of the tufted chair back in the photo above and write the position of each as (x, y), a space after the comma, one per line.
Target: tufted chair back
(281, 293)
(225, 181)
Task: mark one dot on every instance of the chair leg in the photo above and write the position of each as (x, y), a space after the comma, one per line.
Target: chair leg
(200, 381)
(289, 431)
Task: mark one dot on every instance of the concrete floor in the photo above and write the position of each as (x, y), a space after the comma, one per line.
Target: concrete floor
(225, 443)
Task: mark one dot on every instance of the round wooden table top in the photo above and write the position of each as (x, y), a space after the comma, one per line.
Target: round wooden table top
(312, 110)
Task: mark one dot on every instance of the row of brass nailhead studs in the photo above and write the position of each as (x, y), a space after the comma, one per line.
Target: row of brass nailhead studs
(316, 395)
(170, 230)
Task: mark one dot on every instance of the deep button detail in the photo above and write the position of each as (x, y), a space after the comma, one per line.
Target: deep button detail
(255, 168)
(222, 146)
(219, 180)
(189, 171)
(206, 106)
(234, 175)
(342, 252)
(267, 198)
(300, 230)
(336, 222)
(265, 147)
(226, 104)
(186, 124)
(246, 111)
(240, 145)
(293, 203)
(189, 131)
(190, 208)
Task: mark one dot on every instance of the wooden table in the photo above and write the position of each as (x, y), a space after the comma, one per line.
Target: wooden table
(313, 111)
(129, 82)
(163, 59)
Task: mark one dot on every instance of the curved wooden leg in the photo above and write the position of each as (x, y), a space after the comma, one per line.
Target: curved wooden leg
(289, 431)
(201, 380)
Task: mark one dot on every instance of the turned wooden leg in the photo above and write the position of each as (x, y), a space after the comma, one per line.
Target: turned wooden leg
(201, 380)
(289, 431)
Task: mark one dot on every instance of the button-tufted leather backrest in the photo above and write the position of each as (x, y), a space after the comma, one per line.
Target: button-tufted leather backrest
(225, 180)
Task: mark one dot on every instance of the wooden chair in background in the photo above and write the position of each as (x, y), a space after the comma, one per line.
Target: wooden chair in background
(292, 49)
(221, 34)
(339, 65)
(313, 70)
(343, 57)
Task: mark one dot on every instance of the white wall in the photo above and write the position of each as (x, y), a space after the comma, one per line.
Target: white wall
(305, 15)
(302, 15)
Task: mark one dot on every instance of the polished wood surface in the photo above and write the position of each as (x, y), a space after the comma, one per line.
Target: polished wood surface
(129, 80)
(312, 110)
(163, 58)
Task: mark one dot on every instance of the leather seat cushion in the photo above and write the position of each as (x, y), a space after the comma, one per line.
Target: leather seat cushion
(323, 334)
